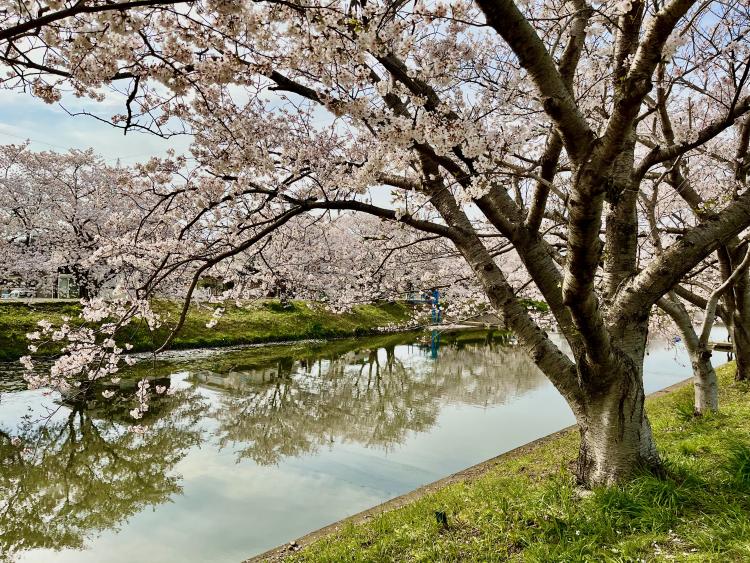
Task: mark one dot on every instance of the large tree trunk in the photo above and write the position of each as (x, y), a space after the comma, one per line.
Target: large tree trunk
(603, 388)
(616, 438)
(741, 346)
(737, 303)
(705, 384)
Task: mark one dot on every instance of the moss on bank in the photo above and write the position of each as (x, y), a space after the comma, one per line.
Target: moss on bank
(256, 322)
(526, 508)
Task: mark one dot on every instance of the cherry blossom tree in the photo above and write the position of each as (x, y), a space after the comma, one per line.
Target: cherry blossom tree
(57, 210)
(528, 118)
(674, 201)
(344, 259)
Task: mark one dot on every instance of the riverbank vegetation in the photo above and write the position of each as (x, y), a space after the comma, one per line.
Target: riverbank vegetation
(527, 507)
(255, 322)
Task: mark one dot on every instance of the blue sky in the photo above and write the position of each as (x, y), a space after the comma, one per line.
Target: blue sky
(49, 127)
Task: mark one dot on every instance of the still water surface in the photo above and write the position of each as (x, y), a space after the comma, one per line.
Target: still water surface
(259, 446)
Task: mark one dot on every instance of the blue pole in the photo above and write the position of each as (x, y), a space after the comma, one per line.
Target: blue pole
(436, 313)
(434, 344)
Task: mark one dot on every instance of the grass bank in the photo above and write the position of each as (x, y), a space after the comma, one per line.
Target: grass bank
(526, 507)
(256, 322)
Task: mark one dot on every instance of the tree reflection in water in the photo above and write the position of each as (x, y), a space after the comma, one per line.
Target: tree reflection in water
(84, 472)
(87, 473)
(288, 407)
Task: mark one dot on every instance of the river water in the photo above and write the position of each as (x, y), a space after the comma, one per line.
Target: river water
(252, 448)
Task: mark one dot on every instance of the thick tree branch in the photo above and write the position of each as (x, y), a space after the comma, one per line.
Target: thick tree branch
(78, 8)
(667, 270)
(505, 18)
(637, 84)
(713, 299)
(659, 154)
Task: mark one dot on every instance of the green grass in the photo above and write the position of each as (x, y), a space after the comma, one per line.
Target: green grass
(17, 319)
(527, 508)
(257, 322)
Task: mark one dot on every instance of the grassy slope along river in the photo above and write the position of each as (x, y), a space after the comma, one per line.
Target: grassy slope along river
(527, 508)
(256, 322)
